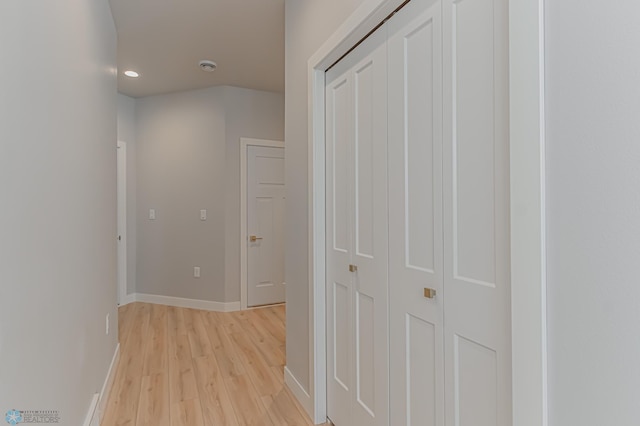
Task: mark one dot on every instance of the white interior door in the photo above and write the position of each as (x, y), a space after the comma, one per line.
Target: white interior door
(476, 214)
(357, 246)
(265, 225)
(122, 220)
(415, 216)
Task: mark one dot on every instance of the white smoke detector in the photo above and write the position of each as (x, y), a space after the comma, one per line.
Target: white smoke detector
(208, 66)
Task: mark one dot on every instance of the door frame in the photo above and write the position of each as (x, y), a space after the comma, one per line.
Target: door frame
(245, 143)
(121, 174)
(527, 201)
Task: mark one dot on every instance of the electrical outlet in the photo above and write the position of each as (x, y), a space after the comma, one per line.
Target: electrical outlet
(196, 272)
(107, 324)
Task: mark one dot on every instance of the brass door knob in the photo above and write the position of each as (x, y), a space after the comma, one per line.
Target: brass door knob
(353, 268)
(429, 293)
(253, 238)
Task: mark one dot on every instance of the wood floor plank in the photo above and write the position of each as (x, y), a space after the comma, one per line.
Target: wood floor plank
(153, 409)
(185, 367)
(186, 413)
(187, 319)
(124, 322)
(256, 367)
(156, 348)
(278, 373)
(172, 320)
(282, 410)
(122, 407)
(247, 404)
(230, 321)
(224, 351)
(281, 312)
(217, 408)
(198, 338)
(271, 322)
(182, 380)
(270, 348)
(180, 321)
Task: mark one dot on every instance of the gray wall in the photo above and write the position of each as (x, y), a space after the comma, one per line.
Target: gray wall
(58, 215)
(593, 216)
(249, 114)
(187, 147)
(127, 133)
(308, 24)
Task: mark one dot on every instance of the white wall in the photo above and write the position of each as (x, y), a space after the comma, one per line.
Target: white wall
(58, 215)
(308, 24)
(593, 169)
(188, 159)
(127, 133)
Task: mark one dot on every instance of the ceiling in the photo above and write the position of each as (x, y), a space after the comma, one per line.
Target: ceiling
(164, 40)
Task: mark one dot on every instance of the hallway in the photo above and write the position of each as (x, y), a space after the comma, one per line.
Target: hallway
(185, 367)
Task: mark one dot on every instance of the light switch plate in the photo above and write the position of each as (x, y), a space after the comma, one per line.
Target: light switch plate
(196, 272)
(203, 215)
(152, 214)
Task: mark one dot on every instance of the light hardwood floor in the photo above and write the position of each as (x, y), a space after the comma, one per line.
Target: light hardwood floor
(184, 367)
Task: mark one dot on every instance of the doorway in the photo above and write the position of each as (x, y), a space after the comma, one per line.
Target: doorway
(262, 222)
(122, 220)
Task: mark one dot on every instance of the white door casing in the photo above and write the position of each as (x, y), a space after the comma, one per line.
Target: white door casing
(122, 220)
(527, 222)
(265, 225)
(357, 288)
(415, 215)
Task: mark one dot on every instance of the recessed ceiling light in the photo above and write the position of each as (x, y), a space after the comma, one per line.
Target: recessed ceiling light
(208, 66)
(131, 74)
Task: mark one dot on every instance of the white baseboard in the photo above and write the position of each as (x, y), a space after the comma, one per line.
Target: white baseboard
(129, 298)
(99, 401)
(92, 414)
(108, 384)
(180, 302)
(298, 391)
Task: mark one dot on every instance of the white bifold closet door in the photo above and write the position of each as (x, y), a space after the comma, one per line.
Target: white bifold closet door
(450, 359)
(357, 290)
(419, 111)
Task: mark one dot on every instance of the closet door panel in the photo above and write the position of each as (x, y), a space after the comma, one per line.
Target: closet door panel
(357, 236)
(371, 232)
(339, 139)
(476, 212)
(415, 215)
